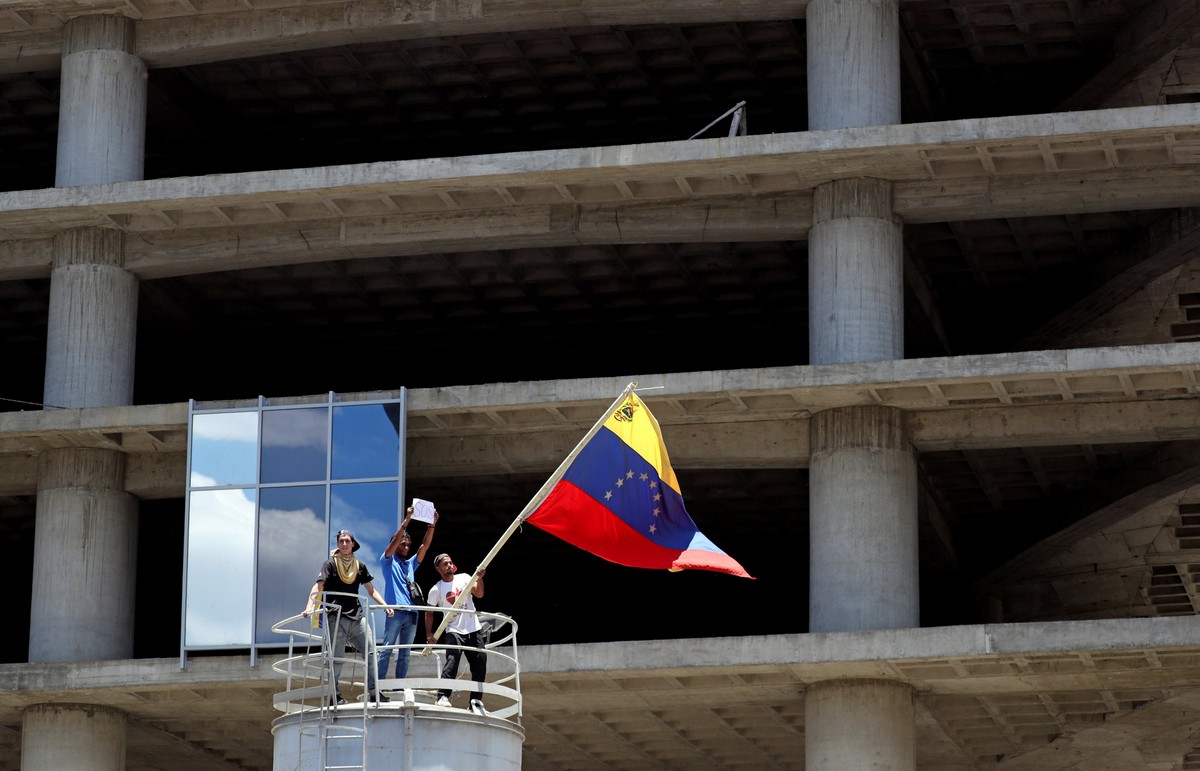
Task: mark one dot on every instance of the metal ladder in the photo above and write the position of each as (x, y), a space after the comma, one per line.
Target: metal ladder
(332, 734)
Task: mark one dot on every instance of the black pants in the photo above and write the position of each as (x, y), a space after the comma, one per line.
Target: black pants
(476, 659)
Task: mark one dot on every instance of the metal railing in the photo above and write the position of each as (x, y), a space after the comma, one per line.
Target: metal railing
(308, 665)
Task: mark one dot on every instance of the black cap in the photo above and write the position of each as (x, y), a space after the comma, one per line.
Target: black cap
(353, 540)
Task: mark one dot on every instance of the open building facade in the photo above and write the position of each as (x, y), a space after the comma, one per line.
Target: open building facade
(912, 287)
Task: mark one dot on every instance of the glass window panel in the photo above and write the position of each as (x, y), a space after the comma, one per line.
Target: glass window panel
(220, 568)
(293, 527)
(224, 449)
(366, 441)
(291, 548)
(294, 445)
(369, 510)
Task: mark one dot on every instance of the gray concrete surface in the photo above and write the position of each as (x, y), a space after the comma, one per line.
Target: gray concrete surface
(722, 701)
(739, 418)
(102, 114)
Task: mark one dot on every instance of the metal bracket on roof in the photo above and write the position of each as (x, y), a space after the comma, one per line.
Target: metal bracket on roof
(736, 126)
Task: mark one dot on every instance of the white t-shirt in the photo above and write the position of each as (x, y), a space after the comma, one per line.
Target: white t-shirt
(444, 593)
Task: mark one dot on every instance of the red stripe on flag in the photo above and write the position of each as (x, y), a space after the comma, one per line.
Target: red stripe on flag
(580, 520)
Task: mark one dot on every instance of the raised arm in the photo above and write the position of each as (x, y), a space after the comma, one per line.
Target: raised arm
(428, 539)
(477, 589)
(395, 542)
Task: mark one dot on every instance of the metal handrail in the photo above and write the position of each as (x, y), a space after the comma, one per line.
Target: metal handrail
(302, 667)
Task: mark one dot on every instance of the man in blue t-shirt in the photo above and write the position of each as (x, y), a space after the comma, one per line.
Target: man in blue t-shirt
(398, 570)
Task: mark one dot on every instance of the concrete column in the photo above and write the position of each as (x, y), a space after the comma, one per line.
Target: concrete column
(101, 138)
(102, 103)
(863, 471)
(853, 63)
(855, 274)
(861, 725)
(84, 556)
(862, 522)
(85, 542)
(79, 737)
(92, 326)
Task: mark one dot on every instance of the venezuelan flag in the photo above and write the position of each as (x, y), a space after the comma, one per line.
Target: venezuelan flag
(619, 499)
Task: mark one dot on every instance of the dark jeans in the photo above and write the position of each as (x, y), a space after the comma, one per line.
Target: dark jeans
(400, 629)
(476, 659)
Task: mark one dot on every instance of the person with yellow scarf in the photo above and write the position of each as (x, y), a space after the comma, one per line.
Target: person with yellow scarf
(341, 575)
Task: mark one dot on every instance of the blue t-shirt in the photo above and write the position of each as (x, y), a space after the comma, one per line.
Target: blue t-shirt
(397, 573)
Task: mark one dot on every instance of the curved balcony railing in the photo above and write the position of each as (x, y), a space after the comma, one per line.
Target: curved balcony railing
(308, 665)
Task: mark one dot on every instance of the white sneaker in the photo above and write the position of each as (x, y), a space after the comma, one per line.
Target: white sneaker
(443, 701)
(477, 707)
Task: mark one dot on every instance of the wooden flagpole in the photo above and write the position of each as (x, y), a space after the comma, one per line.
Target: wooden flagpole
(529, 509)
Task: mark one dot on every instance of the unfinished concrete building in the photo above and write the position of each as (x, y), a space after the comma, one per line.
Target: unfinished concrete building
(911, 286)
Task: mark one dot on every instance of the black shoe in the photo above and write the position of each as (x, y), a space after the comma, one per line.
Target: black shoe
(383, 697)
(336, 701)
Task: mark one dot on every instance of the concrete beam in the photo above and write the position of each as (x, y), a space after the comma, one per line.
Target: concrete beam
(774, 218)
(736, 188)
(1048, 425)
(947, 666)
(809, 657)
(750, 443)
(754, 418)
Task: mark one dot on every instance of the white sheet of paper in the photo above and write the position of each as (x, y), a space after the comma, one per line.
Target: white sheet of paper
(422, 510)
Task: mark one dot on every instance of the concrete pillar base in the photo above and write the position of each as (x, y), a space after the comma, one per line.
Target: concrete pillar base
(866, 725)
(80, 737)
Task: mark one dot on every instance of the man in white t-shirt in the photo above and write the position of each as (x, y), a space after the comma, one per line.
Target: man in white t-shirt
(463, 629)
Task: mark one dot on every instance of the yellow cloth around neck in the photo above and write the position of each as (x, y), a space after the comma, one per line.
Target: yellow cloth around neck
(347, 567)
